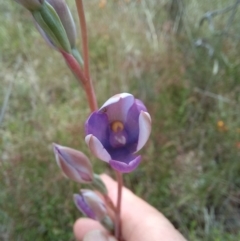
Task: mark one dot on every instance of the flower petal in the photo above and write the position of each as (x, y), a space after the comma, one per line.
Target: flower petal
(97, 124)
(144, 129)
(132, 123)
(124, 167)
(95, 203)
(117, 107)
(140, 105)
(70, 172)
(97, 148)
(83, 206)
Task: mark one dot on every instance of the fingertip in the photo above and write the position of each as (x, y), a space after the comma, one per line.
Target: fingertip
(95, 235)
(83, 226)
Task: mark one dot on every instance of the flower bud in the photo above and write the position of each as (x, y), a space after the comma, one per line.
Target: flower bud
(90, 204)
(31, 5)
(66, 18)
(74, 164)
(50, 23)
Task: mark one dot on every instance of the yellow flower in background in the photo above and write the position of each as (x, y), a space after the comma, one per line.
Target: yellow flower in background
(221, 126)
(102, 3)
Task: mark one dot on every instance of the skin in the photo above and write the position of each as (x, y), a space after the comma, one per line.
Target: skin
(140, 221)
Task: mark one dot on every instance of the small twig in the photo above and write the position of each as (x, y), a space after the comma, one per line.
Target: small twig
(149, 18)
(118, 208)
(212, 95)
(5, 102)
(209, 15)
(202, 43)
(230, 20)
(9, 91)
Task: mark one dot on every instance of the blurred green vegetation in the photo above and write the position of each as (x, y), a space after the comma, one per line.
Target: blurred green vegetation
(190, 169)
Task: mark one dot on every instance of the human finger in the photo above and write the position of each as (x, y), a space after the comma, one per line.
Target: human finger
(140, 221)
(84, 225)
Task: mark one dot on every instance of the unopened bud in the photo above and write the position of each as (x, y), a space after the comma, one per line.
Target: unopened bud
(90, 204)
(50, 23)
(66, 18)
(74, 164)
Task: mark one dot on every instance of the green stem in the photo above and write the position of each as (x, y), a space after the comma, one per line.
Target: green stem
(77, 56)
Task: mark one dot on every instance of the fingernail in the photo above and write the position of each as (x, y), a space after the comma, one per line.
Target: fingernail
(96, 235)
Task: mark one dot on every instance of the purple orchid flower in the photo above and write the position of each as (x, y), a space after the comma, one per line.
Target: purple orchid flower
(119, 129)
(90, 204)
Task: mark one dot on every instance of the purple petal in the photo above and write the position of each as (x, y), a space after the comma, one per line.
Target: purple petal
(144, 129)
(140, 105)
(97, 148)
(95, 203)
(124, 167)
(98, 125)
(132, 123)
(122, 154)
(74, 164)
(83, 206)
(117, 107)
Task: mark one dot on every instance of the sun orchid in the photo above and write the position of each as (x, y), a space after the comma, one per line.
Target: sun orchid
(119, 129)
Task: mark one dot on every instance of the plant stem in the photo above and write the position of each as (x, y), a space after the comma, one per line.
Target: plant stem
(91, 96)
(109, 202)
(93, 105)
(89, 85)
(82, 21)
(118, 208)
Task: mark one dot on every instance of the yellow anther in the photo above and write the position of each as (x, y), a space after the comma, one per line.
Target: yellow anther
(117, 126)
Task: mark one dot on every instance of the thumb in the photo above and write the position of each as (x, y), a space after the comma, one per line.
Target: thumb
(98, 235)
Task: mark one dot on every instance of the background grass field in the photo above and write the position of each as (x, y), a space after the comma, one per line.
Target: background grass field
(191, 164)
